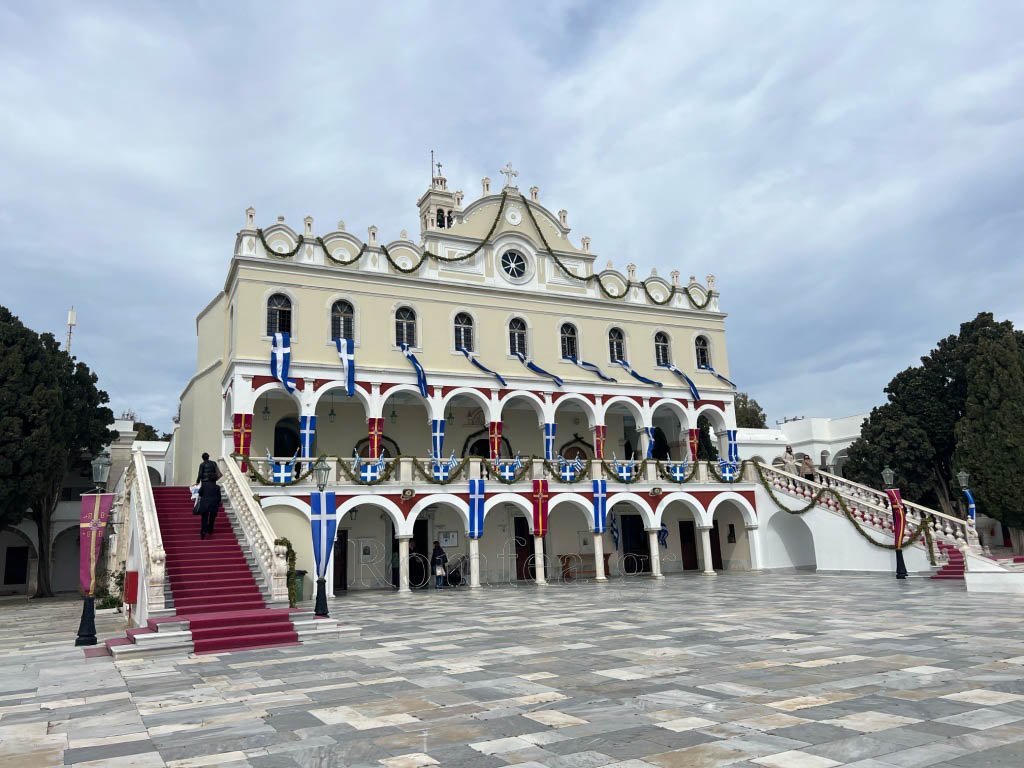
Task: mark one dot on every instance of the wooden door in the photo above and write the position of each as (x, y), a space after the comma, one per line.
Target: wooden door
(341, 562)
(524, 549)
(635, 545)
(716, 549)
(688, 545)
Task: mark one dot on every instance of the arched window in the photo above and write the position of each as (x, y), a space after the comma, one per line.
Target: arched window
(703, 350)
(279, 314)
(662, 350)
(616, 345)
(342, 320)
(464, 332)
(405, 327)
(569, 339)
(440, 218)
(517, 336)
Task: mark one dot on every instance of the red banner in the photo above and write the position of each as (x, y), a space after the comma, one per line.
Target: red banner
(494, 439)
(540, 507)
(899, 515)
(375, 433)
(92, 524)
(599, 434)
(242, 432)
(694, 437)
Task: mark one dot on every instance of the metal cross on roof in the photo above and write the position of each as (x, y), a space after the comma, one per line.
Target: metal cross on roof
(438, 169)
(509, 174)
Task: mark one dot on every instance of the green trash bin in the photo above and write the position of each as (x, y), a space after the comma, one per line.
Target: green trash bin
(300, 582)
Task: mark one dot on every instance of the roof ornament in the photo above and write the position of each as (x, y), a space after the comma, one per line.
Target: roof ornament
(509, 174)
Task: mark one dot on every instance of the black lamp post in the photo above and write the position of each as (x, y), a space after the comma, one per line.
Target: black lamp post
(87, 624)
(888, 476)
(322, 472)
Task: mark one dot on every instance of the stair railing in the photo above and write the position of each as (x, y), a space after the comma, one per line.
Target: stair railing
(148, 558)
(270, 557)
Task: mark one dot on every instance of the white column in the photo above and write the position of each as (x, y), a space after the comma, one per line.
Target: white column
(599, 557)
(652, 544)
(403, 564)
(705, 546)
(474, 563)
(538, 558)
(755, 547)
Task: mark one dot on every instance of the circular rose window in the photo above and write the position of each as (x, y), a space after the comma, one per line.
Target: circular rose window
(513, 264)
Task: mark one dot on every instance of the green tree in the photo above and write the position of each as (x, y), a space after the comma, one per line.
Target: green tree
(749, 414)
(52, 416)
(144, 431)
(706, 449)
(990, 436)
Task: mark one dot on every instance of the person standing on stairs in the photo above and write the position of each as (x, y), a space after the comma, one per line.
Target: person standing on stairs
(209, 495)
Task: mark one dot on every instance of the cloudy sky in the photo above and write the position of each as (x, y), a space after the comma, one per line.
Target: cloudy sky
(853, 173)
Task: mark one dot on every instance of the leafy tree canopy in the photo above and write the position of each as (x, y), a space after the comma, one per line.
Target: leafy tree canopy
(749, 414)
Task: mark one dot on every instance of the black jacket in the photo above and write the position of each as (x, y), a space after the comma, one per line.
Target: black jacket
(208, 472)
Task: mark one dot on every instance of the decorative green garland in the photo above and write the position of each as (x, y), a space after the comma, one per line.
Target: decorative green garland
(582, 475)
(492, 471)
(353, 477)
(714, 472)
(293, 588)
(255, 474)
(638, 474)
(428, 475)
(664, 473)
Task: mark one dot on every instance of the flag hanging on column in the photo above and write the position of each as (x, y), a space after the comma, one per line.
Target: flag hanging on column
(549, 441)
(599, 435)
(307, 434)
(476, 509)
(324, 524)
(494, 439)
(540, 507)
(242, 433)
(375, 431)
(733, 445)
(347, 356)
(421, 376)
(281, 359)
(899, 516)
(437, 437)
(694, 439)
(92, 524)
(649, 453)
(600, 505)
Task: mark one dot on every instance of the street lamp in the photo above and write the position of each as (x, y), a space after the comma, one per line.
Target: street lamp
(964, 478)
(101, 470)
(94, 527)
(322, 472)
(899, 518)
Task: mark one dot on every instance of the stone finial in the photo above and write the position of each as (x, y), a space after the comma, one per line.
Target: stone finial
(486, 183)
(675, 278)
(373, 235)
(341, 225)
(711, 282)
(654, 271)
(693, 280)
(610, 264)
(631, 271)
(280, 219)
(308, 222)
(458, 199)
(250, 218)
(404, 234)
(586, 243)
(563, 217)
(535, 194)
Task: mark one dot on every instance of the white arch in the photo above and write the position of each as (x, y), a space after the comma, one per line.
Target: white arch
(509, 498)
(636, 501)
(589, 409)
(746, 510)
(427, 403)
(286, 501)
(573, 499)
(531, 398)
(271, 386)
(631, 405)
(393, 510)
(700, 515)
(360, 394)
(440, 498)
(677, 409)
(714, 414)
(474, 394)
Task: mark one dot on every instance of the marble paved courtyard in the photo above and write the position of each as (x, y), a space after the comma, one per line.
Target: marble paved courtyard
(771, 670)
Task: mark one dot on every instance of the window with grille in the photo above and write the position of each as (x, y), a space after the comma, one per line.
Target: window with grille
(616, 345)
(279, 314)
(517, 336)
(703, 351)
(464, 332)
(405, 327)
(569, 341)
(342, 320)
(662, 351)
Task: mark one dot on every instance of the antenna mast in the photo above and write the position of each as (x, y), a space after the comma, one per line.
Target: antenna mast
(72, 322)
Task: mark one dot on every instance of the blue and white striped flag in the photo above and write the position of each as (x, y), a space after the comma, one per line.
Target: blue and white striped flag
(281, 359)
(477, 364)
(347, 356)
(623, 471)
(323, 521)
(507, 469)
(663, 536)
(677, 471)
(727, 469)
(601, 507)
(625, 364)
(687, 379)
(442, 470)
(972, 510)
(649, 432)
(615, 531)
(717, 375)
(370, 473)
(421, 376)
(549, 440)
(589, 367)
(733, 445)
(281, 472)
(476, 509)
(436, 437)
(531, 366)
(307, 434)
(568, 471)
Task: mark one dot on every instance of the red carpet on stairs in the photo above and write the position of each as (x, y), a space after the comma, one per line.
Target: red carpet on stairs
(212, 584)
(954, 567)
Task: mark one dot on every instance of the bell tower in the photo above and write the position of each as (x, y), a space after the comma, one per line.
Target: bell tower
(438, 206)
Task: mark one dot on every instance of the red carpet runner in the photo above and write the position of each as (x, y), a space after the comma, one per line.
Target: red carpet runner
(212, 584)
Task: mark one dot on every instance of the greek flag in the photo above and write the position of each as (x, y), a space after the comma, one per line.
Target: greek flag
(733, 445)
(421, 376)
(281, 472)
(601, 508)
(472, 359)
(663, 536)
(436, 437)
(442, 470)
(687, 379)
(649, 431)
(971, 509)
(347, 355)
(677, 471)
(324, 524)
(307, 433)
(728, 470)
(615, 531)
(549, 441)
(281, 359)
(717, 375)
(537, 369)
(507, 469)
(623, 471)
(369, 473)
(625, 364)
(476, 509)
(569, 470)
(589, 367)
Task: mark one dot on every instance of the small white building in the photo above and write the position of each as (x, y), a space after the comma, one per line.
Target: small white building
(826, 441)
